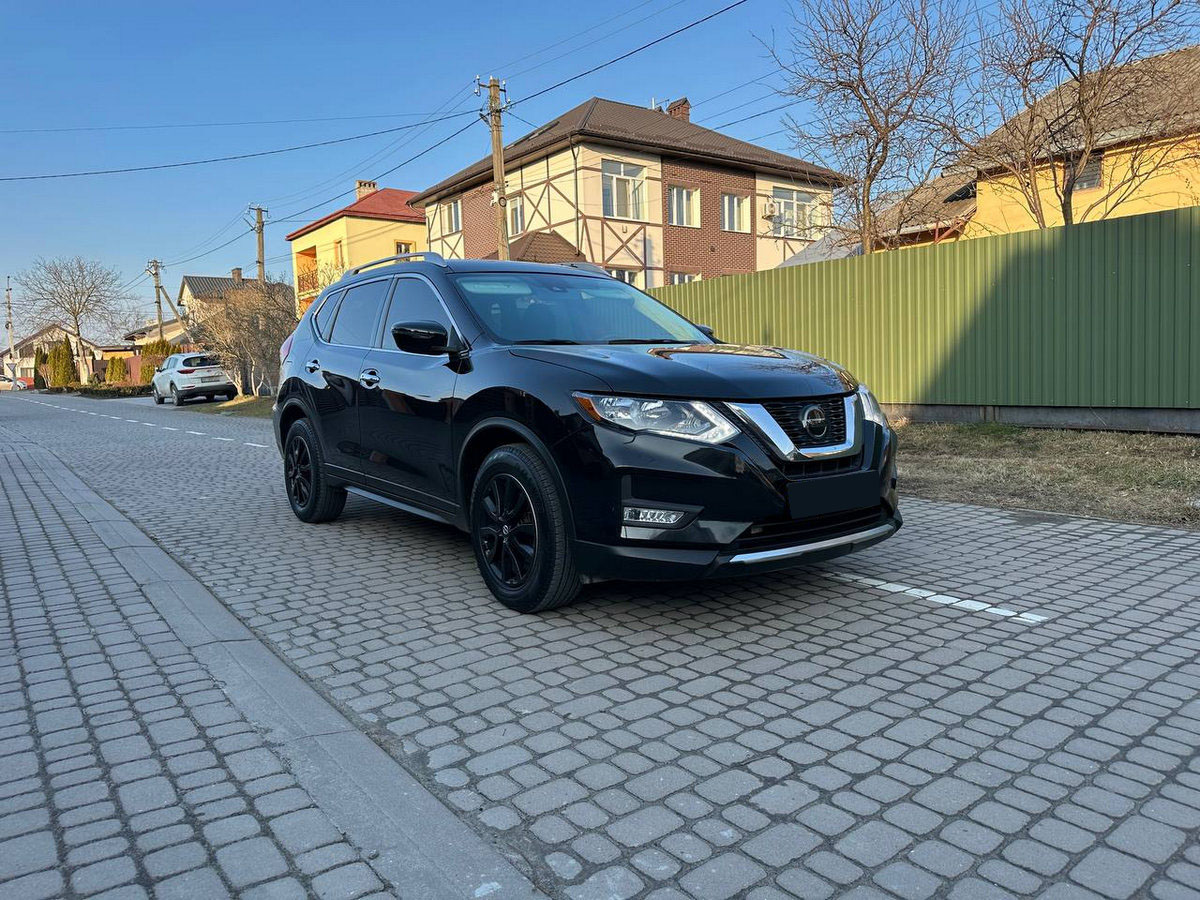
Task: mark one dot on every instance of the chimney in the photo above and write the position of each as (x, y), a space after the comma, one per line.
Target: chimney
(364, 189)
(237, 275)
(680, 109)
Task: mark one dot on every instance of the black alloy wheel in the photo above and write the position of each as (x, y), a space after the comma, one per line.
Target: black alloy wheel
(298, 472)
(509, 531)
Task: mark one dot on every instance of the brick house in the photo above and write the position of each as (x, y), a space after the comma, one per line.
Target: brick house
(645, 193)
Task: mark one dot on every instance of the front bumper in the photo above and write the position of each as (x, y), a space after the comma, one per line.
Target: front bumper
(747, 510)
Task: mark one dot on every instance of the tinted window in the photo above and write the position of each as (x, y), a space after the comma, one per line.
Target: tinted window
(356, 317)
(324, 315)
(198, 361)
(413, 301)
(527, 307)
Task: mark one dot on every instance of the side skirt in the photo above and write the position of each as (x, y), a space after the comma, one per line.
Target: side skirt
(445, 519)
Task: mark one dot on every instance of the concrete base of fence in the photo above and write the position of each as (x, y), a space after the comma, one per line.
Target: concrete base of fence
(1166, 421)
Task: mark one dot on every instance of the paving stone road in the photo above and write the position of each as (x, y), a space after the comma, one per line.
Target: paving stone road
(991, 704)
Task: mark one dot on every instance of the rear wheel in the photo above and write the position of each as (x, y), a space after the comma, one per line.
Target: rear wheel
(312, 497)
(209, 397)
(231, 395)
(519, 532)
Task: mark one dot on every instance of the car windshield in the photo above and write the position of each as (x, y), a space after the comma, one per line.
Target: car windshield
(545, 308)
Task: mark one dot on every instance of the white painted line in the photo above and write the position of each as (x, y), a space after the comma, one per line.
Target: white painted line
(151, 424)
(222, 439)
(168, 428)
(249, 444)
(134, 421)
(941, 599)
(196, 432)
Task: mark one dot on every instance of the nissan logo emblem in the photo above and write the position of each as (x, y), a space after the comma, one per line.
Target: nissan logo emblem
(815, 422)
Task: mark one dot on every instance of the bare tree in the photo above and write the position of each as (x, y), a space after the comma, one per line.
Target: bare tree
(75, 292)
(883, 78)
(1068, 79)
(246, 329)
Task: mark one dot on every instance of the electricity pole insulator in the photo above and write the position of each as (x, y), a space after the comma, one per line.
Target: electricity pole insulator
(495, 109)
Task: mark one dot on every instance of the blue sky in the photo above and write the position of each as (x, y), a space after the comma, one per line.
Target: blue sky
(67, 66)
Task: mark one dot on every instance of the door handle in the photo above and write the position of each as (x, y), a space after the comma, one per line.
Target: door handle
(312, 366)
(369, 378)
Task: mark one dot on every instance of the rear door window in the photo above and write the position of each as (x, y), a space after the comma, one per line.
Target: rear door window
(354, 325)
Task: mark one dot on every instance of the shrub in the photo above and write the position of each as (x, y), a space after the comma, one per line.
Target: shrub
(153, 353)
(40, 360)
(104, 391)
(61, 364)
(116, 372)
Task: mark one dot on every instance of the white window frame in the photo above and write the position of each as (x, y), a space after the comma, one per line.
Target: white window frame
(516, 215)
(622, 181)
(407, 245)
(452, 217)
(735, 213)
(682, 278)
(1096, 160)
(683, 206)
(793, 213)
(632, 277)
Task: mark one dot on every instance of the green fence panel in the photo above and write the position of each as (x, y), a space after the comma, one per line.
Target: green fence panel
(1105, 314)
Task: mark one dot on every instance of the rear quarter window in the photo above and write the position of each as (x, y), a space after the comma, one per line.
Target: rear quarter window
(323, 318)
(198, 361)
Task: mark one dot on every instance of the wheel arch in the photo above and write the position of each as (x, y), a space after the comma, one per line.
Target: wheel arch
(496, 431)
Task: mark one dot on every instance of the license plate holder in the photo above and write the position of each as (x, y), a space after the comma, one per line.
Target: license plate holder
(833, 494)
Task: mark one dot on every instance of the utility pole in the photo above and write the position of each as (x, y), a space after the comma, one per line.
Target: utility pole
(258, 230)
(8, 324)
(152, 269)
(499, 199)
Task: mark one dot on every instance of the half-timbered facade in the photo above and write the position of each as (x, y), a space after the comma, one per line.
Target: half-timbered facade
(646, 194)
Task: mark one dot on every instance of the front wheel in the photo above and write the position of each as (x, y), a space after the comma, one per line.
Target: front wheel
(519, 532)
(158, 398)
(312, 497)
(176, 398)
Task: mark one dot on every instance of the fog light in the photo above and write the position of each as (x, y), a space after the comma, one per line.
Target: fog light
(642, 515)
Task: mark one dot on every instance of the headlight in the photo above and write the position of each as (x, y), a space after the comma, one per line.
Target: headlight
(871, 409)
(692, 420)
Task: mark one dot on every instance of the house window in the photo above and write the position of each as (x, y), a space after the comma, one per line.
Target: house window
(683, 206)
(516, 215)
(735, 213)
(337, 254)
(629, 276)
(452, 217)
(403, 247)
(682, 278)
(623, 185)
(793, 213)
(1090, 177)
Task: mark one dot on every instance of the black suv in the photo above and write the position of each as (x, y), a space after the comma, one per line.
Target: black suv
(577, 428)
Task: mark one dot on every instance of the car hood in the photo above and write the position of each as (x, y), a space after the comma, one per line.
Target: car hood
(701, 371)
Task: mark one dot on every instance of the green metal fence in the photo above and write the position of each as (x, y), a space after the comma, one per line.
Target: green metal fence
(1099, 315)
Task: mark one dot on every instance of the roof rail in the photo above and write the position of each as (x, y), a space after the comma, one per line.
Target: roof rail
(428, 255)
(592, 267)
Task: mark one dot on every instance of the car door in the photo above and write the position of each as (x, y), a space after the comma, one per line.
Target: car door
(333, 367)
(405, 412)
(162, 376)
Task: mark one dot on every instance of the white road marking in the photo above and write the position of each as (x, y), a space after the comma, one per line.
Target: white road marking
(222, 439)
(249, 444)
(201, 433)
(943, 599)
(151, 424)
(168, 428)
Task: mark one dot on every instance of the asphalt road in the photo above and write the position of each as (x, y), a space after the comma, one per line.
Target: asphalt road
(989, 704)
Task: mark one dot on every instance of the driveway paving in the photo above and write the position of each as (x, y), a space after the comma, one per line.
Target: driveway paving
(991, 704)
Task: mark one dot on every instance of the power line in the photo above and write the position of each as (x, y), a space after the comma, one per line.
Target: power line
(617, 59)
(216, 159)
(238, 236)
(765, 112)
(167, 125)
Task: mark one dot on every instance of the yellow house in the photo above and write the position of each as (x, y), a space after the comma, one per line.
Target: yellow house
(1144, 158)
(644, 192)
(380, 222)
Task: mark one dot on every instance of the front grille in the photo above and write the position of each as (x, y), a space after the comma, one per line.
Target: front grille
(815, 468)
(776, 533)
(790, 416)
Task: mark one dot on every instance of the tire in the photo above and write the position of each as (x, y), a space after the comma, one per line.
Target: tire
(158, 398)
(232, 395)
(515, 497)
(175, 396)
(320, 501)
(209, 397)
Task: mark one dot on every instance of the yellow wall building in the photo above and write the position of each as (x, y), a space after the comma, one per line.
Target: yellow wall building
(379, 223)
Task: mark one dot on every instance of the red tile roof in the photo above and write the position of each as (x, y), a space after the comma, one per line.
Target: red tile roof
(541, 247)
(390, 204)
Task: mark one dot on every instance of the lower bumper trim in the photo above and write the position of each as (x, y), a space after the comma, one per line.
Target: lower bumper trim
(879, 532)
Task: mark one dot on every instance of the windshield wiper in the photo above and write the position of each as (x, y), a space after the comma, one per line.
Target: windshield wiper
(547, 341)
(648, 341)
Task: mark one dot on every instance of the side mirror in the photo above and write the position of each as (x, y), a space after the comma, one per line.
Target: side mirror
(429, 338)
(707, 329)
(157, 369)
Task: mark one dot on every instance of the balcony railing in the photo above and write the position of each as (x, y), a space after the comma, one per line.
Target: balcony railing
(307, 282)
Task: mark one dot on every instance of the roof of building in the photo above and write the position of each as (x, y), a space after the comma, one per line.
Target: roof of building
(947, 201)
(834, 245)
(542, 247)
(391, 204)
(638, 128)
(25, 341)
(1155, 97)
(148, 327)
